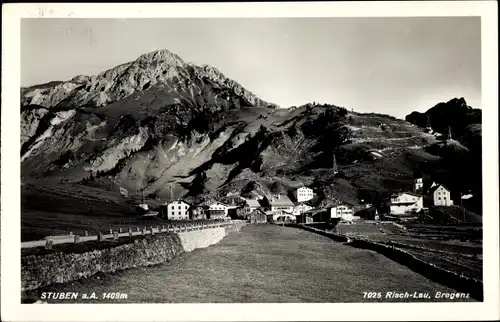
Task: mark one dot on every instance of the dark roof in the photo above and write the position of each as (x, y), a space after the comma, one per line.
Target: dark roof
(257, 211)
(252, 202)
(178, 200)
(432, 189)
(300, 203)
(283, 200)
(313, 212)
(217, 202)
(406, 192)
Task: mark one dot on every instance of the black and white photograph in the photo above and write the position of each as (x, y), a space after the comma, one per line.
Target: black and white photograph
(232, 160)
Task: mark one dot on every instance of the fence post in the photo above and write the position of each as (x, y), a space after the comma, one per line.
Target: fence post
(111, 231)
(86, 233)
(100, 237)
(71, 233)
(130, 232)
(143, 231)
(138, 229)
(48, 244)
(115, 236)
(152, 231)
(76, 239)
(120, 230)
(162, 227)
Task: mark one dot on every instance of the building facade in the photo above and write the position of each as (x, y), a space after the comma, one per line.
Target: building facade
(217, 210)
(440, 195)
(218, 206)
(176, 210)
(344, 212)
(257, 217)
(197, 212)
(418, 184)
(304, 218)
(250, 206)
(300, 207)
(303, 194)
(405, 203)
(278, 203)
(238, 213)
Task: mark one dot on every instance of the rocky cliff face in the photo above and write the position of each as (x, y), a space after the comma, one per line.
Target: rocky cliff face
(172, 130)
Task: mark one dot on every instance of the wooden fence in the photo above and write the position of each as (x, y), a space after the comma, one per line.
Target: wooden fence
(48, 242)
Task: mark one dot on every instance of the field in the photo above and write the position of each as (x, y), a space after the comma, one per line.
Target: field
(454, 248)
(58, 209)
(261, 263)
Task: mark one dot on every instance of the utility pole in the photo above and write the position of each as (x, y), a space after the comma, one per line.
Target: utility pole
(462, 207)
(335, 168)
(449, 132)
(428, 121)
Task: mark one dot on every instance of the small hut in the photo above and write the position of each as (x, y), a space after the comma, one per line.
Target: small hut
(304, 219)
(258, 217)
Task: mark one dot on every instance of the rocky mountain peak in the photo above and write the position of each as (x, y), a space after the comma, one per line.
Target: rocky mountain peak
(160, 68)
(164, 56)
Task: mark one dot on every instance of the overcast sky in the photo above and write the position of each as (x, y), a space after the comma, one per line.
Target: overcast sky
(383, 65)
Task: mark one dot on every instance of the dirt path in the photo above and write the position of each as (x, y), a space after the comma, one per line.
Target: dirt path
(264, 263)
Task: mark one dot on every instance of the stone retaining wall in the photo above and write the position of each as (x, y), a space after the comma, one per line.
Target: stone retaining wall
(62, 266)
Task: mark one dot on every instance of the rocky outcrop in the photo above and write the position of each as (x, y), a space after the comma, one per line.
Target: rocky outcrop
(110, 157)
(50, 96)
(30, 120)
(454, 115)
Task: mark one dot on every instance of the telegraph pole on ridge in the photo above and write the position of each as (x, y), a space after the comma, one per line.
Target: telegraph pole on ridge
(335, 168)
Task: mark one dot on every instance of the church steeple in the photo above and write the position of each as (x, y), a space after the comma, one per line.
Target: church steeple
(171, 192)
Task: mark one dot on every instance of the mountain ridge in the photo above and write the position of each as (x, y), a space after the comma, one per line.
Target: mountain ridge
(116, 83)
(161, 126)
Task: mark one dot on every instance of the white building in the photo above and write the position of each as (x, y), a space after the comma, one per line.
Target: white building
(300, 208)
(343, 212)
(406, 202)
(218, 206)
(278, 203)
(303, 194)
(440, 195)
(418, 184)
(177, 210)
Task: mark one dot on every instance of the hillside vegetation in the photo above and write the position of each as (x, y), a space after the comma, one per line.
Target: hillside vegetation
(172, 130)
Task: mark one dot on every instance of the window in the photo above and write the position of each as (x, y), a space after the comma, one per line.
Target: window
(439, 198)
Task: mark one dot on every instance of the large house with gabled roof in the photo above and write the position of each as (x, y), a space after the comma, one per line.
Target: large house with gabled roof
(175, 210)
(440, 195)
(278, 203)
(405, 203)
